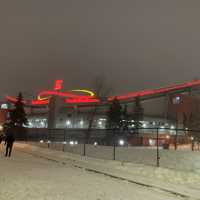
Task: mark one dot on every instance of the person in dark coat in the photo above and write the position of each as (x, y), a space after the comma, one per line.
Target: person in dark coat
(9, 140)
(1, 138)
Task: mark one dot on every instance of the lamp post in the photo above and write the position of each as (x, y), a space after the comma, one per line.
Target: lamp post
(157, 145)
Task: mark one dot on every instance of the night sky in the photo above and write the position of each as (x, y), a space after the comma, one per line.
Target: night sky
(136, 44)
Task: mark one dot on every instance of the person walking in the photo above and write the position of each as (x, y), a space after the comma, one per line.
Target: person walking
(9, 140)
(1, 138)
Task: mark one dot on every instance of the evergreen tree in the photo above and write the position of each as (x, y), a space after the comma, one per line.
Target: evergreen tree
(17, 115)
(114, 115)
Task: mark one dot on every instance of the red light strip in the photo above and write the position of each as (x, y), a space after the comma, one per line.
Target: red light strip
(40, 102)
(46, 94)
(14, 100)
(81, 100)
(157, 91)
(72, 98)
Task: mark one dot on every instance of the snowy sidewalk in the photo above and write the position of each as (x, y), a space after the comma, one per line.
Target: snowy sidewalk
(181, 183)
(26, 176)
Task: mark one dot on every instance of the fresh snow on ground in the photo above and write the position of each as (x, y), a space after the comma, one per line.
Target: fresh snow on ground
(179, 160)
(32, 174)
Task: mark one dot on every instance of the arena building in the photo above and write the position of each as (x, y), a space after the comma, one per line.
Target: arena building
(171, 106)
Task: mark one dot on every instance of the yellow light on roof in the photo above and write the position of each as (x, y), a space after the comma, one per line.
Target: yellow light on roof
(92, 94)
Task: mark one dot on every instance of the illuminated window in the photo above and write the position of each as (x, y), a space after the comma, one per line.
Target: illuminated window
(176, 100)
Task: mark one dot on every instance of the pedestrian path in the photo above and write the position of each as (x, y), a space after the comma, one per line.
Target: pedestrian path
(35, 175)
(181, 183)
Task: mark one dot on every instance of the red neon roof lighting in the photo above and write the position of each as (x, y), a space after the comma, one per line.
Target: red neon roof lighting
(58, 85)
(157, 91)
(72, 97)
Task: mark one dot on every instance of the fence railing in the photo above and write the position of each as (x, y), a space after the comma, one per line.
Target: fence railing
(118, 144)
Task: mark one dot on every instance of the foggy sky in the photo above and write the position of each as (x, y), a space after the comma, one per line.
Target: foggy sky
(136, 44)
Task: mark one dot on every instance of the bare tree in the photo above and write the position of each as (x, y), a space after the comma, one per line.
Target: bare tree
(102, 90)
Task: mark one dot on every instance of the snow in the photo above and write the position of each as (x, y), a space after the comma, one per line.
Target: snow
(26, 176)
(179, 160)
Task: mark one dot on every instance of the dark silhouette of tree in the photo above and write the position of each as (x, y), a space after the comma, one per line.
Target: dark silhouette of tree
(114, 115)
(17, 115)
(17, 118)
(185, 121)
(138, 114)
(125, 118)
(101, 90)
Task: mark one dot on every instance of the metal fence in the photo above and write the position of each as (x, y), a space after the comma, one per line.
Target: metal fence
(145, 145)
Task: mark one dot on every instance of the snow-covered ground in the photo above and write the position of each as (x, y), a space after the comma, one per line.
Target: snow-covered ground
(28, 177)
(179, 160)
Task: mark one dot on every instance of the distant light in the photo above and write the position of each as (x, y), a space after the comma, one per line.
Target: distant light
(121, 142)
(64, 142)
(4, 106)
(95, 143)
(154, 123)
(168, 136)
(1, 128)
(162, 127)
(186, 129)
(152, 142)
(42, 123)
(81, 122)
(100, 123)
(30, 124)
(68, 122)
(102, 119)
(192, 138)
(144, 125)
(41, 141)
(76, 142)
(172, 127)
(177, 100)
(48, 142)
(71, 143)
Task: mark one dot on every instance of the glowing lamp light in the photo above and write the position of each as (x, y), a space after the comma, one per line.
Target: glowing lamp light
(1, 128)
(121, 142)
(144, 125)
(192, 138)
(172, 127)
(41, 141)
(95, 143)
(68, 122)
(168, 137)
(4, 106)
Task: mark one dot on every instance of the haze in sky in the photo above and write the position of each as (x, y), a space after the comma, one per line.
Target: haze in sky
(136, 44)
